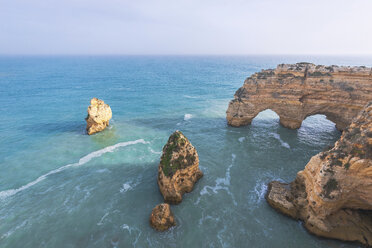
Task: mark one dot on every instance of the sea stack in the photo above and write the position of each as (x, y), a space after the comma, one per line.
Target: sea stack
(178, 169)
(333, 194)
(296, 91)
(162, 218)
(99, 115)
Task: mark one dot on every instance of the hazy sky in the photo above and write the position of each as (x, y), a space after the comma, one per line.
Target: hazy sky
(185, 27)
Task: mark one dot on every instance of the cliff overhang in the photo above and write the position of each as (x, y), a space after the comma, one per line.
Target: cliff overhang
(296, 91)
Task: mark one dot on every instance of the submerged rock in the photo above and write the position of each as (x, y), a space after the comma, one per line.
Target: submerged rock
(333, 194)
(297, 91)
(162, 217)
(178, 169)
(99, 115)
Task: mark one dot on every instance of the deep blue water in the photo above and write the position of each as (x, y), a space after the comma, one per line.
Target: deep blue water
(62, 188)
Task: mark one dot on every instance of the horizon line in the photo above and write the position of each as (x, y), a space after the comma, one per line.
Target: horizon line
(190, 55)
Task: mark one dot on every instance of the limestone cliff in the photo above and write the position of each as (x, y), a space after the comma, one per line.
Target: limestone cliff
(300, 90)
(178, 169)
(333, 194)
(99, 115)
(162, 217)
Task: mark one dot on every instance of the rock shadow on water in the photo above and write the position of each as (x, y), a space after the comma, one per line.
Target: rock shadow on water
(77, 127)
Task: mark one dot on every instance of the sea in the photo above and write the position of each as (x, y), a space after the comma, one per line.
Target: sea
(60, 187)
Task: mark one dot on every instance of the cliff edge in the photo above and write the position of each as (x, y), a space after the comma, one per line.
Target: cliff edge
(296, 91)
(333, 194)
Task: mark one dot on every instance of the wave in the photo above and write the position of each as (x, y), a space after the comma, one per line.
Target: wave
(6, 193)
(125, 188)
(187, 96)
(222, 183)
(154, 152)
(101, 221)
(187, 117)
(241, 139)
(260, 190)
(257, 194)
(137, 232)
(284, 144)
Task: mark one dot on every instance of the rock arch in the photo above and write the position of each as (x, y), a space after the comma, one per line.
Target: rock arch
(267, 110)
(297, 91)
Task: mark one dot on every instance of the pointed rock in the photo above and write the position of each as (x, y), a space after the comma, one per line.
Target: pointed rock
(178, 169)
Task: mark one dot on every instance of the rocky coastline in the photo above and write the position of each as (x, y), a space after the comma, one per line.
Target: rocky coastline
(296, 91)
(333, 194)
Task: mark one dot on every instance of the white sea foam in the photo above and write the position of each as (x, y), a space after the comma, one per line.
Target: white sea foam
(241, 139)
(208, 217)
(126, 227)
(6, 193)
(187, 96)
(257, 194)
(220, 237)
(154, 152)
(260, 190)
(130, 185)
(10, 232)
(103, 217)
(284, 144)
(135, 230)
(125, 188)
(187, 117)
(222, 183)
(103, 170)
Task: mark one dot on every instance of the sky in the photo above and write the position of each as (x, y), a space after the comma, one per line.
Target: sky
(182, 27)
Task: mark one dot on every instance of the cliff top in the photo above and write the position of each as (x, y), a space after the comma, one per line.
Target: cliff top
(178, 153)
(321, 70)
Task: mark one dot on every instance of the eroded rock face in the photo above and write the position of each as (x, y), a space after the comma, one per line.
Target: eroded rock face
(178, 169)
(162, 217)
(297, 91)
(99, 115)
(333, 194)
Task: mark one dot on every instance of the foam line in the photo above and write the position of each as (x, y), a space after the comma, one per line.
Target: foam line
(284, 144)
(187, 117)
(6, 193)
(221, 183)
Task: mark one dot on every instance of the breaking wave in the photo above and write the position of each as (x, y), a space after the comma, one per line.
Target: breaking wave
(187, 117)
(6, 193)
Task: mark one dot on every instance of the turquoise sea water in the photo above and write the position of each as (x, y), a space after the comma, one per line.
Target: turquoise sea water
(62, 188)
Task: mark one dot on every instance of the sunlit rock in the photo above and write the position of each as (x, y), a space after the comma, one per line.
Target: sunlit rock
(178, 169)
(333, 194)
(162, 217)
(99, 115)
(295, 91)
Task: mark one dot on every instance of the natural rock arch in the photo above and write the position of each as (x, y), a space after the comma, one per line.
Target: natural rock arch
(332, 195)
(297, 91)
(263, 112)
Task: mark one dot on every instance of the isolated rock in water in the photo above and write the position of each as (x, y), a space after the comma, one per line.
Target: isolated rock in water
(99, 115)
(178, 169)
(333, 194)
(296, 91)
(162, 217)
